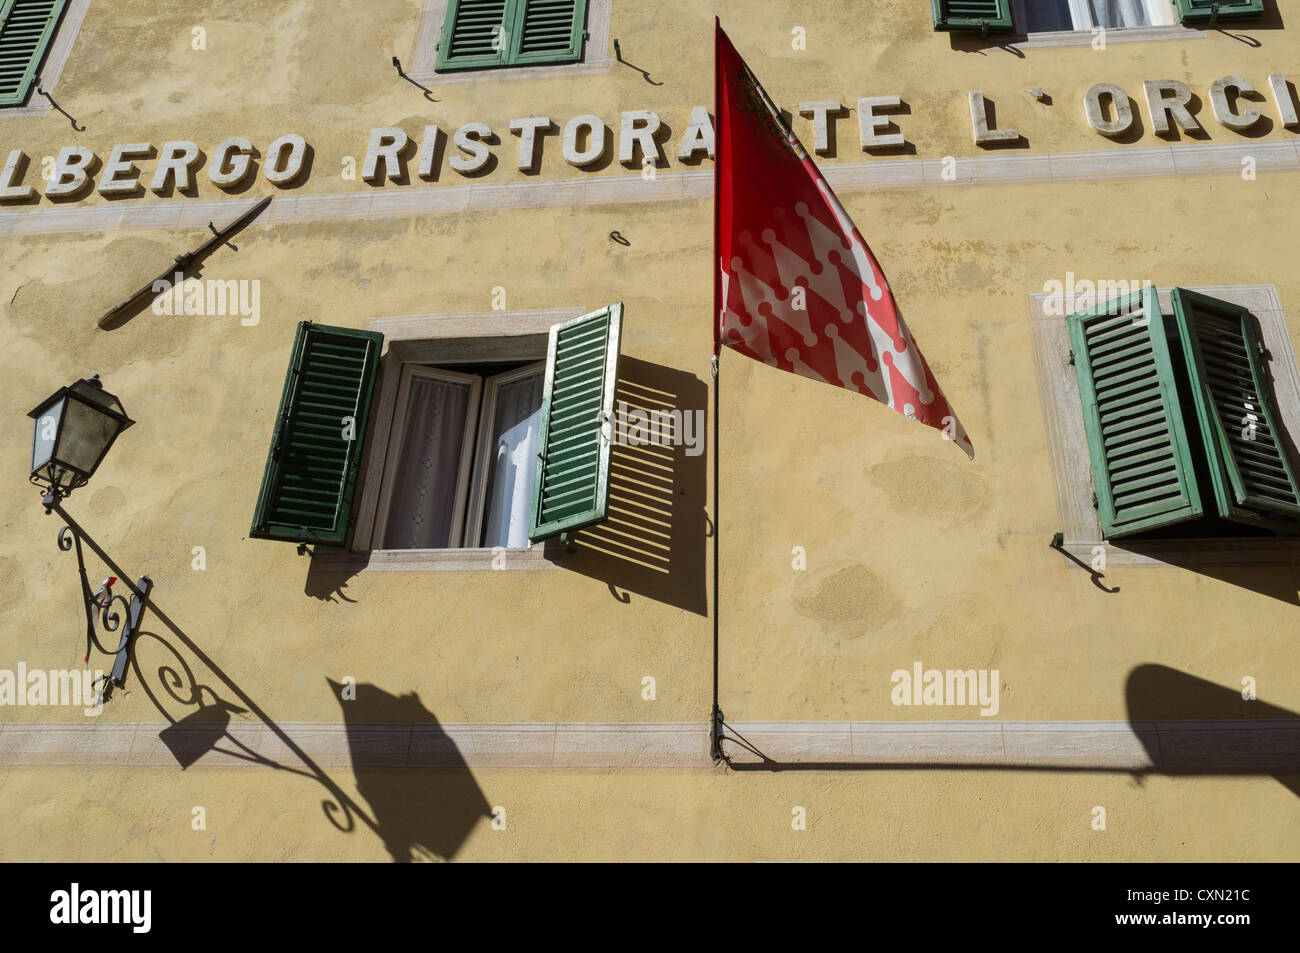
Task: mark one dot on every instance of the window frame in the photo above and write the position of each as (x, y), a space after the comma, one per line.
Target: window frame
(1161, 13)
(396, 447)
(476, 520)
(444, 340)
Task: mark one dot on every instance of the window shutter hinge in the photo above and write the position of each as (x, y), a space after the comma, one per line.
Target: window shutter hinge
(1070, 359)
(1094, 500)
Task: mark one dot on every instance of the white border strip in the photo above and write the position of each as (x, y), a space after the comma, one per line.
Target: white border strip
(407, 202)
(1176, 746)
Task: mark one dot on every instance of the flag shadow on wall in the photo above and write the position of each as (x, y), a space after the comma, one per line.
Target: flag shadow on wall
(1184, 726)
(652, 542)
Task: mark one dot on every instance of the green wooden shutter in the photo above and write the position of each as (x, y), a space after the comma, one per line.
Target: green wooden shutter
(311, 470)
(26, 29)
(480, 34)
(1142, 468)
(577, 420)
(979, 16)
(1252, 475)
(548, 31)
(1200, 11)
(476, 34)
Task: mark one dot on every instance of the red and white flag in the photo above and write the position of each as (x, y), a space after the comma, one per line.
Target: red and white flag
(796, 286)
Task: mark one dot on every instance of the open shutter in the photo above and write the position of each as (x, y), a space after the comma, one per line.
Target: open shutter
(1201, 11)
(978, 16)
(311, 471)
(26, 29)
(572, 486)
(476, 34)
(1141, 466)
(548, 31)
(1252, 475)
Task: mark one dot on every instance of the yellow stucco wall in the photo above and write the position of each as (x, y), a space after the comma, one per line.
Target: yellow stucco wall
(912, 552)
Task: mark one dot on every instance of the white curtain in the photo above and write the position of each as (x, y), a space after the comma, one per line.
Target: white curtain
(1049, 15)
(1119, 13)
(512, 462)
(424, 490)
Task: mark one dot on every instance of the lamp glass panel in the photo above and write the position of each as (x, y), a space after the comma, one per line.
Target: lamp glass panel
(46, 430)
(86, 434)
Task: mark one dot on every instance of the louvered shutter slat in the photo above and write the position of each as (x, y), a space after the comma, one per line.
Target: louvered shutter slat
(311, 470)
(28, 27)
(1141, 463)
(972, 15)
(1252, 474)
(572, 486)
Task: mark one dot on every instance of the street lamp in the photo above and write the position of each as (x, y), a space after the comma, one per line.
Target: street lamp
(74, 428)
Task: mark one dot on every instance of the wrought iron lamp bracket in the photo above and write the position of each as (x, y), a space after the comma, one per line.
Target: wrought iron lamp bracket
(113, 611)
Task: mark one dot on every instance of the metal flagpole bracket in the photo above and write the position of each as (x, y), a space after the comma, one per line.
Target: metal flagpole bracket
(716, 727)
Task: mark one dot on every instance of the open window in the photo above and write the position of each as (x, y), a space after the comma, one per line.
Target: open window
(1180, 420)
(479, 454)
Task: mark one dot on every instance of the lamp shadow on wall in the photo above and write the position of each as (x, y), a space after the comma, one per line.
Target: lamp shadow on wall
(426, 807)
(652, 542)
(1187, 726)
(421, 792)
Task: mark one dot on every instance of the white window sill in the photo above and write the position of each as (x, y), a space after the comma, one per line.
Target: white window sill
(1130, 34)
(539, 556)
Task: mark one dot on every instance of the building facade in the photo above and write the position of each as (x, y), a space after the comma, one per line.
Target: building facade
(367, 637)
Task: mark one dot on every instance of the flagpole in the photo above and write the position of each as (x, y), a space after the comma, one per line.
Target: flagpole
(715, 716)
